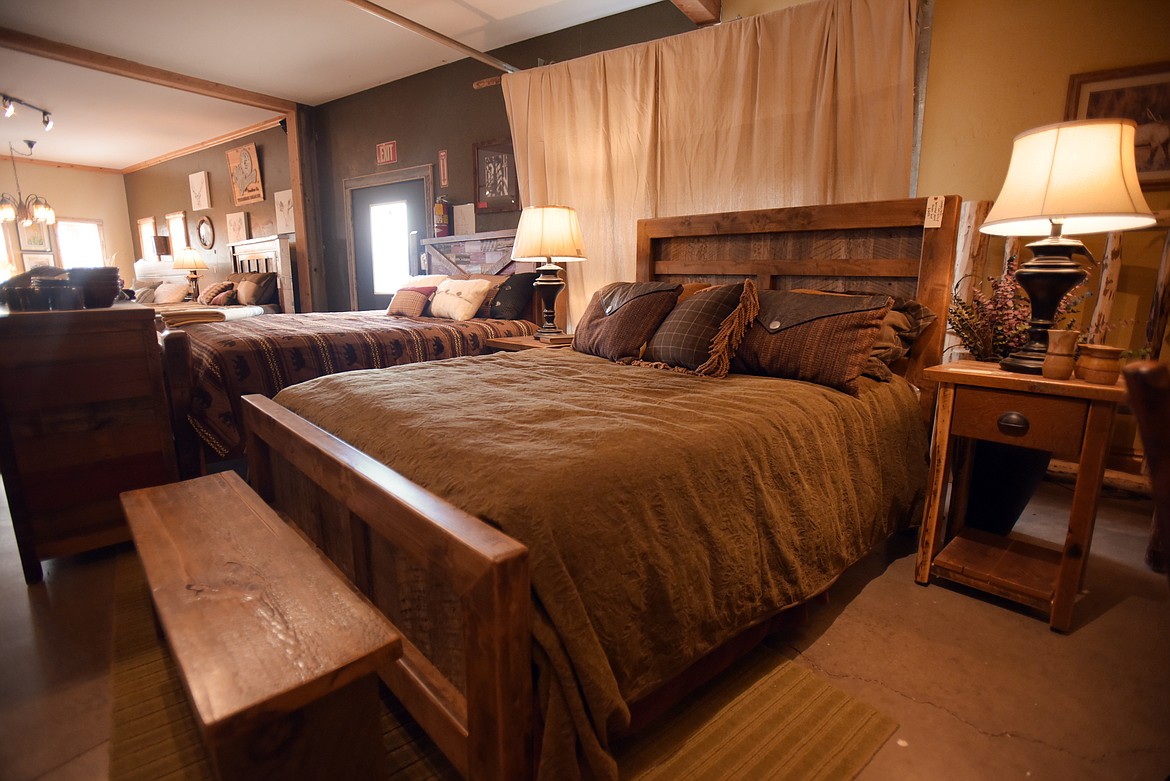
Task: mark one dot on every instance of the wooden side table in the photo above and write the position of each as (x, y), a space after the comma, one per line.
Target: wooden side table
(1071, 419)
(514, 344)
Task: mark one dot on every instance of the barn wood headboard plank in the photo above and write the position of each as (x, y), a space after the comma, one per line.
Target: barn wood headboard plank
(880, 246)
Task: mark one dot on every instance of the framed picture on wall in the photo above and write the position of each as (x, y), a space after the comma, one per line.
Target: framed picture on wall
(237, 227)
(1140, 93)
(200, 194)
(37, 259)
(34, 237)
(244, 170)
(284, 211)
(497, 188)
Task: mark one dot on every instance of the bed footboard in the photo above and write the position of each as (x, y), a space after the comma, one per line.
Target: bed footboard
(350, 498)
(179, 378)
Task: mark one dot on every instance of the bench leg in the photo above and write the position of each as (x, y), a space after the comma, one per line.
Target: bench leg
(337, 736)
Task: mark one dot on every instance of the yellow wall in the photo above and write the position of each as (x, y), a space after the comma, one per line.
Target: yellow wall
(80, 194)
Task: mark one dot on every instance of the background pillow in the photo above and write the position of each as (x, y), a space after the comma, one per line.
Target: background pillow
(513, 299)
(690, 288)
(459, 299)
(702, 332)
(410, 301)
(255, 288)
(170, 293)
(214, 289)
(622, 316)
(226, 298)
(824, 339)
(485, 306)
(900, 328)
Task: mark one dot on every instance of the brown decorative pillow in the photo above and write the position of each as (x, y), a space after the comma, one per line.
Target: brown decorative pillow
(622, 316)
(701, 333)
(690, 288)
(485, 308)
(900, 328)
(214, 289)
(255, 288)
(818, 338)
(226, 298)
(410, 301)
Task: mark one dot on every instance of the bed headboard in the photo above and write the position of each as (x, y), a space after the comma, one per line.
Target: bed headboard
(268, 254)
(878, 246)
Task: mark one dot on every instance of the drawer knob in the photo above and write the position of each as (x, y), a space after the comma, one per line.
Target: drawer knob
(1012, 424)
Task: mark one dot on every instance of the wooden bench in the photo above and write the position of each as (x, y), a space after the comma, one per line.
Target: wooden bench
(275, 648)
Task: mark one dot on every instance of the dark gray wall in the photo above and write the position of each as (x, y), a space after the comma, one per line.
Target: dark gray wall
(439, 109)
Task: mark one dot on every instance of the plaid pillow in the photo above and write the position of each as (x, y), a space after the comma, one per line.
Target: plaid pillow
(622, 316)
(702, 332)
(824, 339)
(409, 301)
(513, 299)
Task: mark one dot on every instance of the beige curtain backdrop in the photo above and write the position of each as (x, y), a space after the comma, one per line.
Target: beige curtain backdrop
(807, 105)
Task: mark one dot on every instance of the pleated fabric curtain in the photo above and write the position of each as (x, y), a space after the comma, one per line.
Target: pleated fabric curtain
(807, 105)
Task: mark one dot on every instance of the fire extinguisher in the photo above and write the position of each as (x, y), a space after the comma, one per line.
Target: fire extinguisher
(442, 217)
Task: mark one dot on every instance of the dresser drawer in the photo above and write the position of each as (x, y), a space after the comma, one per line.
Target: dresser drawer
(1053, 423)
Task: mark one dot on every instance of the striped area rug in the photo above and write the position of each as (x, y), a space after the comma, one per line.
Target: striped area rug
(768, 718)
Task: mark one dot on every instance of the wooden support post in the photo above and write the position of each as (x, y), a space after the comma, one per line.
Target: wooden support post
(1160, 307)
(1106, 290)
(970, 252)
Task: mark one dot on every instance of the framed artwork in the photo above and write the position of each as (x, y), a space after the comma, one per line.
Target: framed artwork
(237, 227)
(496, 186)
(35, 259)
(200, 194)
(284, 212)
(1140, 93)
(34, 237)
(244, 169)
(206, 233)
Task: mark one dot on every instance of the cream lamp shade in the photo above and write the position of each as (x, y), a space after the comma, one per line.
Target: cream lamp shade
(549, 232)
(189, 258)
(1080, 176)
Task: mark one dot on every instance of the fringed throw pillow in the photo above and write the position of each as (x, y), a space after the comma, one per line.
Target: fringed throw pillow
(622, 316)
(814, 337)
(701, 333)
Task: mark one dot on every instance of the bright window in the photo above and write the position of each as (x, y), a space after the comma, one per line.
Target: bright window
(6, 267)
(389, 241)
(79, 243)
(146, 238)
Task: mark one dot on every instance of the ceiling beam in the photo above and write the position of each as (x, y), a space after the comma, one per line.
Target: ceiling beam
(701, 12)
(75, 55)
(437, 37)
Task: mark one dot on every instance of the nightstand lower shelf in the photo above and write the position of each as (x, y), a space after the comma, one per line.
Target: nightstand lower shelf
(1008, 567)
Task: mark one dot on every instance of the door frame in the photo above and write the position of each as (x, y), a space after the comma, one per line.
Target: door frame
(424, 172)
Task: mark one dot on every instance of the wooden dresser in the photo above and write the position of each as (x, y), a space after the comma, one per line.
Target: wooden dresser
(83, 417)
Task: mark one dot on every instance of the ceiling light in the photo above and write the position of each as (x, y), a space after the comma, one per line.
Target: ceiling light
(47, 119)
(9, 106)
(18, 208)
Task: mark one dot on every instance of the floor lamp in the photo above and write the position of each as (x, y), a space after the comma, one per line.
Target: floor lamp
(549, 233)
(1068, 178)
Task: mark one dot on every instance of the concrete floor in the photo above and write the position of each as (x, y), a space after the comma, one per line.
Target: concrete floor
(982, 690)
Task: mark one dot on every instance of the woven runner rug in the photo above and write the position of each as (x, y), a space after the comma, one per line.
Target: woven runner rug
(768, 718)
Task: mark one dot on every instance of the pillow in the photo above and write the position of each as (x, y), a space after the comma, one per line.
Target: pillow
(690, 288)
(425, 280)
(226, 298)
(622, 316)
(701, 333)
(513, 300)
(818, 338)
(485, 306)
(255, 288)
(215, 289)
(170, 293)
(410, 301)
(900, 328)
(459, 299)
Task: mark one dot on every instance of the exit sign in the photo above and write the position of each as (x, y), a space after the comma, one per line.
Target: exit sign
(387, 152)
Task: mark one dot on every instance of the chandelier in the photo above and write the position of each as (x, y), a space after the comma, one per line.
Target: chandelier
(28, 210)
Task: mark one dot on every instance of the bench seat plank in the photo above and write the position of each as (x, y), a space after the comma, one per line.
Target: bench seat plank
(259, 623)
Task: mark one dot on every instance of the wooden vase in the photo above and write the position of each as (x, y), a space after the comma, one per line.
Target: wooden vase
(1060, 358)
(1099, 364)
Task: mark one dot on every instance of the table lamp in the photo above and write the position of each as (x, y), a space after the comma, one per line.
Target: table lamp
(549, 233)
(190, 260)
(1068, 178)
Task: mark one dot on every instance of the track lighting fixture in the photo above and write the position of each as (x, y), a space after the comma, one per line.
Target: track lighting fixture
(10, 103)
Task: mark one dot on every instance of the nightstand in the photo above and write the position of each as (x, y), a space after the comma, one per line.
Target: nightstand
(1069, 418)
(514, 344)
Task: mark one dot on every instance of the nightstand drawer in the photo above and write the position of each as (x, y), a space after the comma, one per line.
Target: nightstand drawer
(1053, 423)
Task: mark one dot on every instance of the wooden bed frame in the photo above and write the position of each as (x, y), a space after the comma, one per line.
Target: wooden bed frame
(344, 500)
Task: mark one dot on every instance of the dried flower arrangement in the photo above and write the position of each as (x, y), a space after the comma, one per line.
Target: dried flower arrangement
(994, 324)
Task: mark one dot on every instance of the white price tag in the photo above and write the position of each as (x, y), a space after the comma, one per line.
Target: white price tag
(934, 211)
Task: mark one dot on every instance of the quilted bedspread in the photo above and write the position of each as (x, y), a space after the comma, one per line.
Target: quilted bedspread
(268, 353)
(663, 512)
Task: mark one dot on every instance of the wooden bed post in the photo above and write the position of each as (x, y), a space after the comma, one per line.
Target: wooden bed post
(176, 349)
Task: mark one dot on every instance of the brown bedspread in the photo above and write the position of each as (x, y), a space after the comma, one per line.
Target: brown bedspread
(663, 512)
(265, 354)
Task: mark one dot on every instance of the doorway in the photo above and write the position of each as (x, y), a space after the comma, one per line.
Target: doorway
(387, 215)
